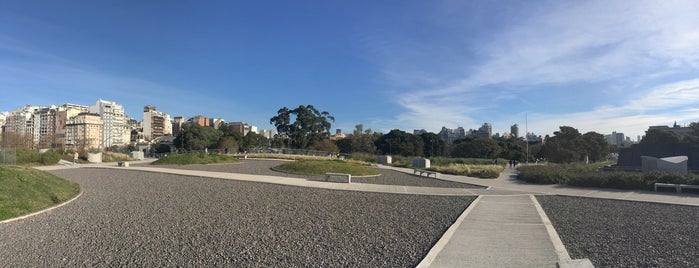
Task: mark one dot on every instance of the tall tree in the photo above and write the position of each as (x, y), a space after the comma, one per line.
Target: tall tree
(400, 142)
(568, 145)
(196, 137)
(309, 125)
(595, 146)
(433, 144)
(362, 140)
(477, 148)
(659, 136)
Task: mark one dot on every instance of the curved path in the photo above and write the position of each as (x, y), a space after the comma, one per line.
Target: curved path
(155, 216)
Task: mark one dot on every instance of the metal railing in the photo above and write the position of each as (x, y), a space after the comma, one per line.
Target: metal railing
(8, 156)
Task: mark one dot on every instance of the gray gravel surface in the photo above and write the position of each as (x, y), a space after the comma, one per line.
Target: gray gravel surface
(614, 233)
(145, 219)
(264, 167)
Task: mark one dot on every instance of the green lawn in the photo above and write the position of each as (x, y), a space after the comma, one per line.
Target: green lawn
(25, 190)
(191, 159)
(319, 167)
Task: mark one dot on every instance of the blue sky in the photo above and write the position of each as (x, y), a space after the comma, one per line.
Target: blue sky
(595, 65)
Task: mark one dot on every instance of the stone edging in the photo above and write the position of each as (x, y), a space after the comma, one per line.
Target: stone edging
(41, 211)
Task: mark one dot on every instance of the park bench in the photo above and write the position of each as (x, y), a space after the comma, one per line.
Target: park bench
(123, 164)
(678, 187)
(330, 174)
(427, 172)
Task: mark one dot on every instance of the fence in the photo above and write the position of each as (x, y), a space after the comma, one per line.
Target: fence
(8, 156)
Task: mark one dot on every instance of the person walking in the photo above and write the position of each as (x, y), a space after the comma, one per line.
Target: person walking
(75, 158)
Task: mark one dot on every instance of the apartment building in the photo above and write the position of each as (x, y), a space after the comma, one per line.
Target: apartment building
(84, 131)
(115, 130)
(155, 123)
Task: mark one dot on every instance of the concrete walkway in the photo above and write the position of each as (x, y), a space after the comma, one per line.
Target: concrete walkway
(504, 227)
(499, 231)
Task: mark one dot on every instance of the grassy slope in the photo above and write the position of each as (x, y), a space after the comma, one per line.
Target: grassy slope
(24, 190)
(191, 159)
(319, 167)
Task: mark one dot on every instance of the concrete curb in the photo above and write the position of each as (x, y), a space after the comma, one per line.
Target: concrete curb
(42, 211)
(564, 260)
(442, 242)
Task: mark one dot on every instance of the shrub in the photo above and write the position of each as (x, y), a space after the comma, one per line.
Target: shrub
(479, 171)
(582, 175)
(49, 157)
(364, 157)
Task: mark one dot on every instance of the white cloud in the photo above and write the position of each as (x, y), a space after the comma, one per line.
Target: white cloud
(626, 48)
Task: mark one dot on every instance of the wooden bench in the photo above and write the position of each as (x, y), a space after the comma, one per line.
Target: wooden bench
(422, 171)
(678, 187)
(123, 164)
(330, 174)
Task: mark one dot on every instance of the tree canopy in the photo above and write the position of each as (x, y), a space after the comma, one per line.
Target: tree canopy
(308, 127)
(195, 137)
(568, 145)
(400, 142)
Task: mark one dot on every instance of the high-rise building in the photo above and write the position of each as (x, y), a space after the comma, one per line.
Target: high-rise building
(514, 131)
(45, 125)
(485, 131)
(199, 120)
(116, 132)
(84, 131)
(19, 126)
(268, 133)
(177, 125)
(450, 135)
(242, 128)
(155, 123)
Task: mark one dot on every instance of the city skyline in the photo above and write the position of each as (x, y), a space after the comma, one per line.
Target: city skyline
(600, 66)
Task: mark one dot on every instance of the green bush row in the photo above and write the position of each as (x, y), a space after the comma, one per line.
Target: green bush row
(577, 176)
(31, 156)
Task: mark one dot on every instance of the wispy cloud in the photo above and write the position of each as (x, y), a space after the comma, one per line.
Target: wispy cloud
(626, 49)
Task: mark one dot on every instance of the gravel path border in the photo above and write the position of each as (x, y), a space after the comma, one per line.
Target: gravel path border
(264, 167)
(617, 233)
(134, 218)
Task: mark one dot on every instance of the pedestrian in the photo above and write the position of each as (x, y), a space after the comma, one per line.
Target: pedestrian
(75, 158)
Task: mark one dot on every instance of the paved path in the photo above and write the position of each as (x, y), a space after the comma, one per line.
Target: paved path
(502, 228)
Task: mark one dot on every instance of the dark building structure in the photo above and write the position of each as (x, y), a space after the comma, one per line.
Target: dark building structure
(631, 157)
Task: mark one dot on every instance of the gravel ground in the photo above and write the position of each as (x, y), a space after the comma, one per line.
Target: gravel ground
(263, 167)
(132, 218)
(614, 233)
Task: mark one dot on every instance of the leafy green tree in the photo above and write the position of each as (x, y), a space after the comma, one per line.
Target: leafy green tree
(511, 149)
(433, 144)
(568, 145)
(477, 148)
(362, 140)
(325, 145)
(344, 145)
(595, 146)
(228, 144)
(659, 136)
(308, 127)
(196, 137)
(400, 142)
(253, 140)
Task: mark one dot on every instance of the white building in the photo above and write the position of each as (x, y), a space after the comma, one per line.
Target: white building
(20, 123)
(268, 133)
(116, 131)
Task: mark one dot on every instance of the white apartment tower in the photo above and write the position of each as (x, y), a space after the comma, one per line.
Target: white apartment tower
(116, 132)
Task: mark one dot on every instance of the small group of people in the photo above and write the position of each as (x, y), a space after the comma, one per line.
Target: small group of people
(513, 163)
